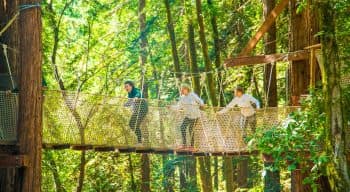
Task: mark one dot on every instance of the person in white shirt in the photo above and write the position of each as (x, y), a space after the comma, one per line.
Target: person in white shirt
(190, 103)
(247, 105)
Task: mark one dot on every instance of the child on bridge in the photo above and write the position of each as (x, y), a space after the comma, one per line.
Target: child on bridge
(247, 104)
(190, 103)
(139, 108)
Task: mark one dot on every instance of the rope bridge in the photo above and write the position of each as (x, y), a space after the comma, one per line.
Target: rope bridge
(87, 121)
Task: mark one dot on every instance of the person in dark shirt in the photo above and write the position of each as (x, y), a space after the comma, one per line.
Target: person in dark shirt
(139, 108)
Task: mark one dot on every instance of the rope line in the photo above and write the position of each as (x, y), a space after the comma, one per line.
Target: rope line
(8, 66)
(12, 20)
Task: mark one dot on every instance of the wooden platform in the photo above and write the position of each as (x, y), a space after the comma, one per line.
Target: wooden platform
(263, 59)
(147, 150)
(7, 161)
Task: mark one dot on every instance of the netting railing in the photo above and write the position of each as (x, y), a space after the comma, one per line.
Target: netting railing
(77, 118)
(8, 116)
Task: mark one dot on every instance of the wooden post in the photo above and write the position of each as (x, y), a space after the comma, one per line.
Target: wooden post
(30, 96)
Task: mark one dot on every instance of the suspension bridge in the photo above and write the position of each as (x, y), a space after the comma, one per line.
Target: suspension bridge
(83, 121)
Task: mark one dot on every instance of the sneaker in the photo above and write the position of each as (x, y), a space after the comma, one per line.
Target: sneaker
(138, 145)
(191, 148)
(181, 147)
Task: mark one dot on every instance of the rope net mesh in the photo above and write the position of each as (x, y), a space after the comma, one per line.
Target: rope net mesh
(345, 80)
(8, 116)
(77, 118)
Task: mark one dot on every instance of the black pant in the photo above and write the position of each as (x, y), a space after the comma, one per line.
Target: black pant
(190, 123)
(248, 122)
(135, 123)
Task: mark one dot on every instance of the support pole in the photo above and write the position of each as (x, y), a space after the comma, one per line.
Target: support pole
(30, 96)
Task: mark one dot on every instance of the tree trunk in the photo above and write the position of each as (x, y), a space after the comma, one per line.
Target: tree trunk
(8, 9)
(145, 161)
(270, 82)
(131, 171)
(298, 39)
(205, 173)
(217, 51)
(218, 66)
(242, 172)
(9, 38)
(171, 32)
(192, 173)
(145, 173)
(216, 174)
(207, 62)
(81, 172)
(228, 173)
(271, 178)
(53, 167)
(337, 169)
(182, 174)
(193, 58)
(30, 96)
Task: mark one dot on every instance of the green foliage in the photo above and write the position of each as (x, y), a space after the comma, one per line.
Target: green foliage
(298, 141)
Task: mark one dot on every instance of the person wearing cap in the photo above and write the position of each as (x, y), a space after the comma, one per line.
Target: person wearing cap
(190, 104)
(139, 108)
(247, 105)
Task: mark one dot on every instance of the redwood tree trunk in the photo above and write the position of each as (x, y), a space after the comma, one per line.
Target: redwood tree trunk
(270, 82)
(298, 40)
(337, 169)
(10, 38)
(217, 51)
(228, 173)
(272, 178)
(145, 161)
(205, 174)
(30, 96)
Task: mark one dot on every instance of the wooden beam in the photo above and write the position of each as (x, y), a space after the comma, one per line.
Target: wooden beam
(7, 161)
(316, 46)
(263, 59)
(270, 19)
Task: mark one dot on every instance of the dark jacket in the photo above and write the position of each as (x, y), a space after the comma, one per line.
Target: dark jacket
(138, 105)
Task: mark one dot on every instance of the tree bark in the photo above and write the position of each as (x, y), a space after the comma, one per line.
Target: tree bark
(145, 161)
(171, 32)
(9, 38)
(216, 174)
(271, 178)
(242, 172)
(270, 81)
(207, 62)
(131, 171)
(298, 39)
(337, 168)
(193, 58)
(217, 51)
(228, 173)
(30, 96)
(205, 174)
(53, 167)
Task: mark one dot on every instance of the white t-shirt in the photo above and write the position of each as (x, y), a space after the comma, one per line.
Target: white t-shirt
(245, 103)
(190, 105)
